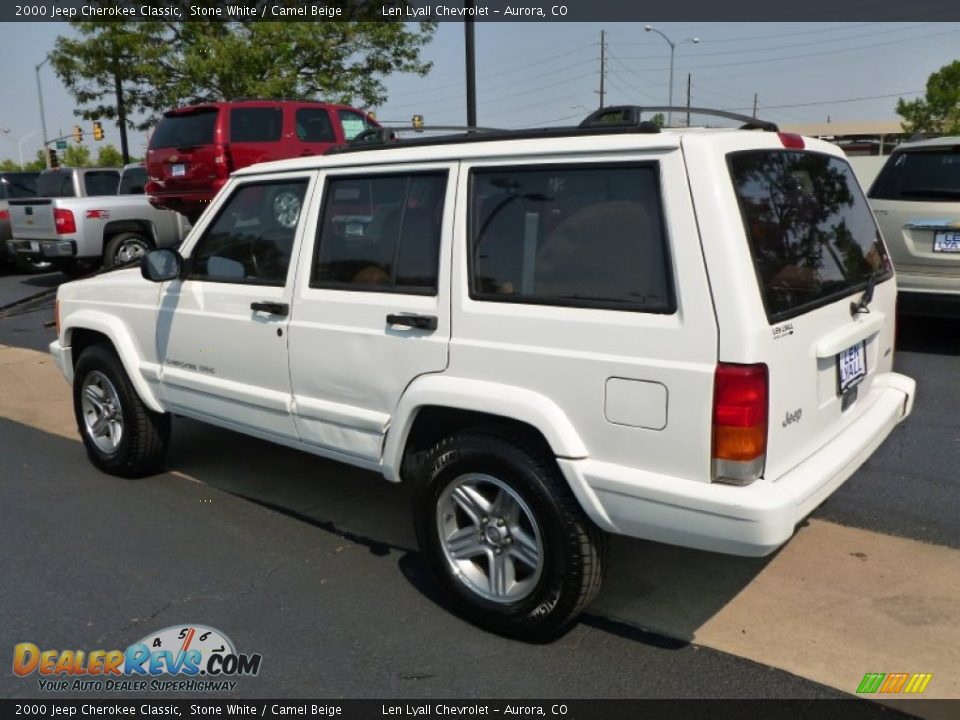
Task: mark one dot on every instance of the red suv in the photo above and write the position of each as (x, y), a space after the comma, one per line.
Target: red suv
(194, 149)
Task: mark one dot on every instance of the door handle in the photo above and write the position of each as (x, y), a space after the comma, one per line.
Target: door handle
(272, 308)
(421, 322)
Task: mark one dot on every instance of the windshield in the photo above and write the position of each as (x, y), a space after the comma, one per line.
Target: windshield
(930, 174)
(811, 233)
(185, 129)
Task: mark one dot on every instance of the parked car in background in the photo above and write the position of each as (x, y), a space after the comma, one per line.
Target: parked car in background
(681, 335)
(193, 149)
(916, 200)
(79, 233)
(13, 185)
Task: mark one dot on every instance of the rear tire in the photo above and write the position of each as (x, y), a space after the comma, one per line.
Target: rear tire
(124, 249)
(122, 436)
(505, 537)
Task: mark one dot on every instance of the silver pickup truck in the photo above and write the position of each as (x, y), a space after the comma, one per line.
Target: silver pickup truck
(85, 217)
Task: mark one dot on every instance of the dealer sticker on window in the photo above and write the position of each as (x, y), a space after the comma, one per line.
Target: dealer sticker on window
(946, 241)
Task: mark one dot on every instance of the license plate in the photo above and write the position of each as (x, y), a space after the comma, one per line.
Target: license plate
(851, 367)
(178, 170)
(946, 241)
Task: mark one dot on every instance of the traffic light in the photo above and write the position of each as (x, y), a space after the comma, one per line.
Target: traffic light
(97, 130)
(77, 134)
(418, 121)
(54, 160)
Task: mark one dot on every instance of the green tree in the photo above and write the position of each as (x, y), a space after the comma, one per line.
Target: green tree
(9, 165)
(76, 156)
(38, 163)
(109, 156)
(939, 110)
(117, 70)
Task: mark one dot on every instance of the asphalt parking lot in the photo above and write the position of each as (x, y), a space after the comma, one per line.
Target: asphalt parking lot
(313, 564)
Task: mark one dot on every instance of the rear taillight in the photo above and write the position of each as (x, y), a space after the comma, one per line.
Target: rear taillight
(4, 214)
(222, 162)
(740, 400)
(64, 221)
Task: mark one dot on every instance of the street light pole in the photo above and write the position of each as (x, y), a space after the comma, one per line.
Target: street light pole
(43, 118)
(673, 48)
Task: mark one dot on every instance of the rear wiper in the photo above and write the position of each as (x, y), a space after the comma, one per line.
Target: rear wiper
(863, 305)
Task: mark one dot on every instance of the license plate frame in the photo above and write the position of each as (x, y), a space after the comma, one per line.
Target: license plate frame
(851, 367)
(178, 170)
(946, 241)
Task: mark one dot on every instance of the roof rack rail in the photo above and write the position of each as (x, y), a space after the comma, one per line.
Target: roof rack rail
(625, 116)
(388, 133)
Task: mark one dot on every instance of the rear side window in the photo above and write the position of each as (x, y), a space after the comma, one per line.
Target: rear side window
(586, 236)
(185, 129)
(918, 175)
(18, 185)
(381, 233)
(56, 185)
(132, 181)
(314, 126)
(101, 182)
(810, 231)
(251, 240)
(256, 124)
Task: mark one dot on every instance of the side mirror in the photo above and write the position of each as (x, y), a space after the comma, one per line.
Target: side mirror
(161, 265)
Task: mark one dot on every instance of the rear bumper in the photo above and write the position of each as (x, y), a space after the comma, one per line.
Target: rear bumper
(42, 249)
(752, 520)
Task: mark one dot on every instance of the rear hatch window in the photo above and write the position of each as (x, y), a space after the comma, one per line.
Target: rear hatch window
(931, 174)
(811, 233)
(185, 129)
(56, 185)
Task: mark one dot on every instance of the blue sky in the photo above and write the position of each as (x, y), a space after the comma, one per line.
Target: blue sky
(548, 73)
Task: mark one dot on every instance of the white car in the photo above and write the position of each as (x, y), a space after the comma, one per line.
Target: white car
(680, 335)
(916, 198)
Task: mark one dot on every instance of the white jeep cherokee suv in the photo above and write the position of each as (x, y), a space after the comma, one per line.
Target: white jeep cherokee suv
(679, 335)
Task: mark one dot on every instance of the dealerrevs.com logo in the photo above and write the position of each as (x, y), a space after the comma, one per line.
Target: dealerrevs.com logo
(186, 658)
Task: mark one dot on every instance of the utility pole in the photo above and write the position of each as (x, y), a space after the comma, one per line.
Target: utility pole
(603, 64)
(471, 65)
(755, 104)
(121, 118)
(688, 99)
(43, 118)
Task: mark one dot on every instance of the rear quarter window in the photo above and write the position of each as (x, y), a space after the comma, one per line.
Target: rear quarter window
(256, 124)
(810, 231)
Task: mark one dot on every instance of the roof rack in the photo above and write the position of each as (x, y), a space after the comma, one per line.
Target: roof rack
(614, 120)
(627, 116)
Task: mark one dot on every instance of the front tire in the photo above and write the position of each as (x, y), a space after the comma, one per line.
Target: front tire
(505, 537)
(122, 436)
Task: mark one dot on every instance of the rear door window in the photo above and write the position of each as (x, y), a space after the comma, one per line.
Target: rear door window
(101, 182)
(314, 126)
(133, 181)
(256, 124)
(920, 175)
(185, 129)
(811, 233)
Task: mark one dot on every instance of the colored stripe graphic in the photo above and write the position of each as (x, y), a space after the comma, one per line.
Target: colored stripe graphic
(871, 682)
(894, 683)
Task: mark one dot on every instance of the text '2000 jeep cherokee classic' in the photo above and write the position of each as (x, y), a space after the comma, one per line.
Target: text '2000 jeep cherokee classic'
(679, 335)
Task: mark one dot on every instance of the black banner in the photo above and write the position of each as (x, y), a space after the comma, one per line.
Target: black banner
(478, 10)
(852, 709)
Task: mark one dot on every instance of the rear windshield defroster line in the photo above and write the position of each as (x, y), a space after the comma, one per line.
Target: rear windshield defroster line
(810, 231)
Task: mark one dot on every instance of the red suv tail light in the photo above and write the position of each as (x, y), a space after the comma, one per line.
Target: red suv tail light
(4, 214)
(222, 162)
(64, 221)
(740, 401)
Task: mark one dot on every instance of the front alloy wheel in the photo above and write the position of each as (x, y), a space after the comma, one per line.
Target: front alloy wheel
(102, 414)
